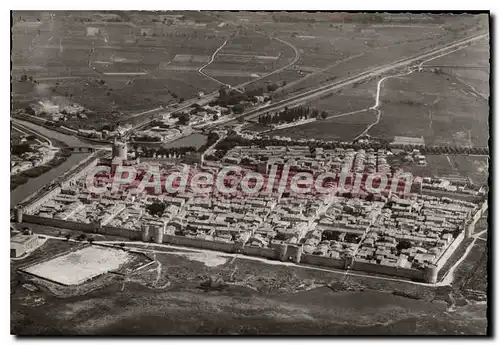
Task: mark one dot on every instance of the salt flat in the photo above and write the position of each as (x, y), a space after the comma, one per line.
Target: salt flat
(76, 267)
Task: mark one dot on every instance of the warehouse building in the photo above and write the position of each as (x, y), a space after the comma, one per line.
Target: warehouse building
(23, 242)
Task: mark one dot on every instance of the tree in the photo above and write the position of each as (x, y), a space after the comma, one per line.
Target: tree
(29, 110)
(181, 99)
(272, 87)
(183, 119)
(156, 208)
(404, 244)
(18, 150)
(238, 108)
(81, 237)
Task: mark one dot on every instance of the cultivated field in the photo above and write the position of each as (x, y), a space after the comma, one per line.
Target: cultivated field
(337, 128)
(433, 106)
(474, 167)
(109, 66)
(147, 59)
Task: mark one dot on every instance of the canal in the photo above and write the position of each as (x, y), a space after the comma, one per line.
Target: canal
(69, 140)
(34, 184)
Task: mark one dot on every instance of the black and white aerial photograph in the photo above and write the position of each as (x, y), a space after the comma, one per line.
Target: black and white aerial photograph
(250, 172)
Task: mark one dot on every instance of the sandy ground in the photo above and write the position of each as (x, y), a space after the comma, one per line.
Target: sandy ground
(209, 259)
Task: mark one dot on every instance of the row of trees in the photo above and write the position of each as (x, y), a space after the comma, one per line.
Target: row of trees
(228, 97)
(19, 149)
(182, 118)
(292, 115)
(211, 139)
(442, 149)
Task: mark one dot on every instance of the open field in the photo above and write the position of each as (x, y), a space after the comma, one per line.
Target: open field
(349, 99)
(431, 105)
(348, 49)
(472, 66)
(158, 56)
(68, 56)
(474, 167)
(112, 98)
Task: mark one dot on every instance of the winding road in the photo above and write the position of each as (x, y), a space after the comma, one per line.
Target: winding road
(200, 70)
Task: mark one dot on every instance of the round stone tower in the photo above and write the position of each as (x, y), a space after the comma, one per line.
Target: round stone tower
(146, 237)
(18, 216)
(119, 149)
